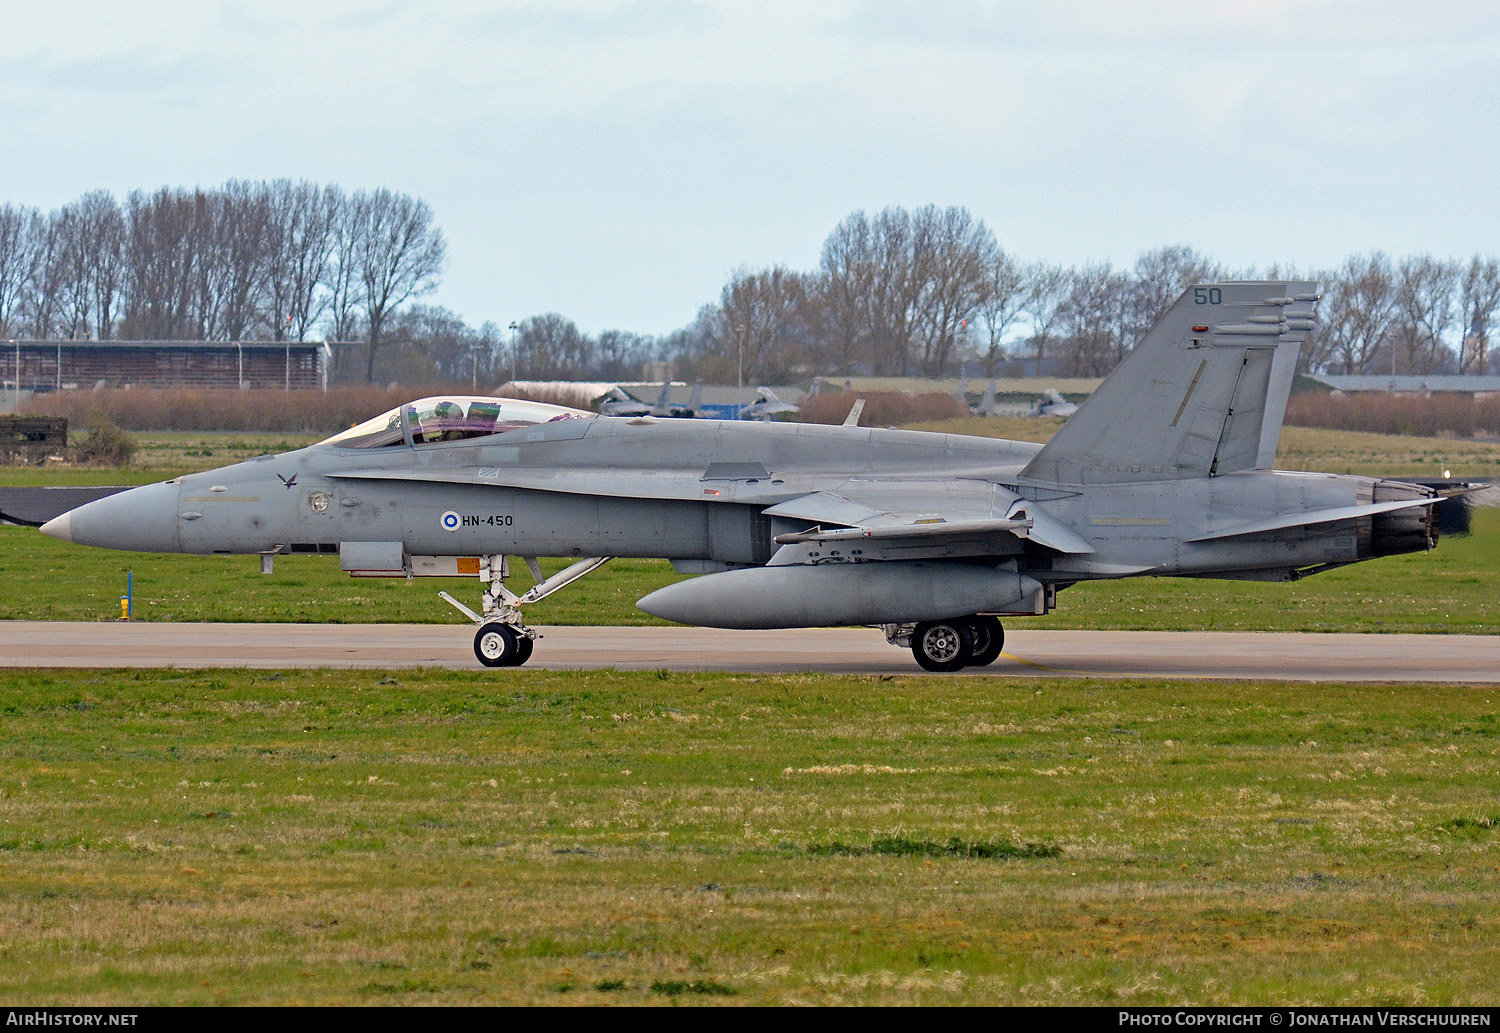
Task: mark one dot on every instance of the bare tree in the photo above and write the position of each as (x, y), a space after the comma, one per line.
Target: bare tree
(953, 256)
(48, 275)
(619, 354)
(301, 239)
(1004, 301)
(75, 296)
(757, 317)
(17, 261)
(160, 261)
(244, 231)
(1360, 310)
(1047, 288)
(1479, 299)
(1094, 318)
(430, 344)
(1160, 278)
(343, 273)
(398, 255)
(842, 291)
(550, 347)
(104, 232)
(1425, 312)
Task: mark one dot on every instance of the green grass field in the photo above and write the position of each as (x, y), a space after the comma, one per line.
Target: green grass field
(523, 837)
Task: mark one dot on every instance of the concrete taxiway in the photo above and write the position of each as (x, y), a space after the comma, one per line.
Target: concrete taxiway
(1093, 654)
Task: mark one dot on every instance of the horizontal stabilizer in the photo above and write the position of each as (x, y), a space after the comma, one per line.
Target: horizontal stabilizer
(1320, 516)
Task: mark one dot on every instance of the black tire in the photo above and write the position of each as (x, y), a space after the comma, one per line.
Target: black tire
(523, 649)
(987, 640)
(497, 645)
(942, 646)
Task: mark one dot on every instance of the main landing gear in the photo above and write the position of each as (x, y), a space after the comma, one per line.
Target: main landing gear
(951, 645)
(503, 639)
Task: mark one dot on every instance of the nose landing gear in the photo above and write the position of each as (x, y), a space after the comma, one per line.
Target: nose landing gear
(503, 639)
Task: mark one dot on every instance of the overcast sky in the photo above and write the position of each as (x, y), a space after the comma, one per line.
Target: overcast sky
(616, 161)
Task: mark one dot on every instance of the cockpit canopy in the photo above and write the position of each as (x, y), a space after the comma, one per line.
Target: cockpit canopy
(451, 418)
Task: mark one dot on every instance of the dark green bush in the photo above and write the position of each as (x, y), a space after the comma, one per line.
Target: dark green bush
(104, 445)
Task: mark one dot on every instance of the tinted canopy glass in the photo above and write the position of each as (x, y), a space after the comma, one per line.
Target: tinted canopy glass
(451, 418)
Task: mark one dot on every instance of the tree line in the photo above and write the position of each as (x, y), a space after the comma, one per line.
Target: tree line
(930, 292)
(276, 260)
(900, 292)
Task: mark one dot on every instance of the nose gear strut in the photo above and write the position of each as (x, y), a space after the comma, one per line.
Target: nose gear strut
(503, 639)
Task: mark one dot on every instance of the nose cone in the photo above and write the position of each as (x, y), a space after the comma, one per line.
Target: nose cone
(139, 520)
(59, 527)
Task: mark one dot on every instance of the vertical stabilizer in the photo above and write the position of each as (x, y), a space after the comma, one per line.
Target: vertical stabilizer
(1203, 393)
(663, 406)
(987, 403)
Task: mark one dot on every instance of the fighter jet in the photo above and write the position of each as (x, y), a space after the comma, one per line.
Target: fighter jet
(1051, 403)
(767, 406)
(1165, 471)
(618, 403)
(986, 406)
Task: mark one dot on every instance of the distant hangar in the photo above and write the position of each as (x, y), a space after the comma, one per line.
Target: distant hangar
(36, 366)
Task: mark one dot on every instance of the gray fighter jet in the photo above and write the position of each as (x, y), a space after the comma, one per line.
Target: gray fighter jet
(617, 403)
(766, 406)
(1164, 471)
(1052, 403)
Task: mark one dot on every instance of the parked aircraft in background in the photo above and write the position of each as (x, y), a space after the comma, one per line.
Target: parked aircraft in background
(1051, 403)
(768, 405)
(986, 406)
(1163, 471)
(618, 403)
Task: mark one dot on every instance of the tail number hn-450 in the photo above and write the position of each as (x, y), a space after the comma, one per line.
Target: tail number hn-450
(452, 521)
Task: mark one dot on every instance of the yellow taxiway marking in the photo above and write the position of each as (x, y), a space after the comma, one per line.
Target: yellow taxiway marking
(1039, 667)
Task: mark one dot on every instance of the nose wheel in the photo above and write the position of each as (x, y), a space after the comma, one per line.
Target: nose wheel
(500, 645)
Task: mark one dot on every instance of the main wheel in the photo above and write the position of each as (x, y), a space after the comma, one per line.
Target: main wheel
(523, 649)
(498, 645)
(987, 639)
(942, 646)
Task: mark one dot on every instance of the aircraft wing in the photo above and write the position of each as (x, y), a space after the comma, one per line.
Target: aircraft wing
(1322, 516)
(897, 517)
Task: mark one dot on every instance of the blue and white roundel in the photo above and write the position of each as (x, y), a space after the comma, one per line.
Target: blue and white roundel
(450, 521)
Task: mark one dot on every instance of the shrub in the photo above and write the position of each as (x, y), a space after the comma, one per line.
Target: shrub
(104, 445)
(1435, 415)
(283, 412)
